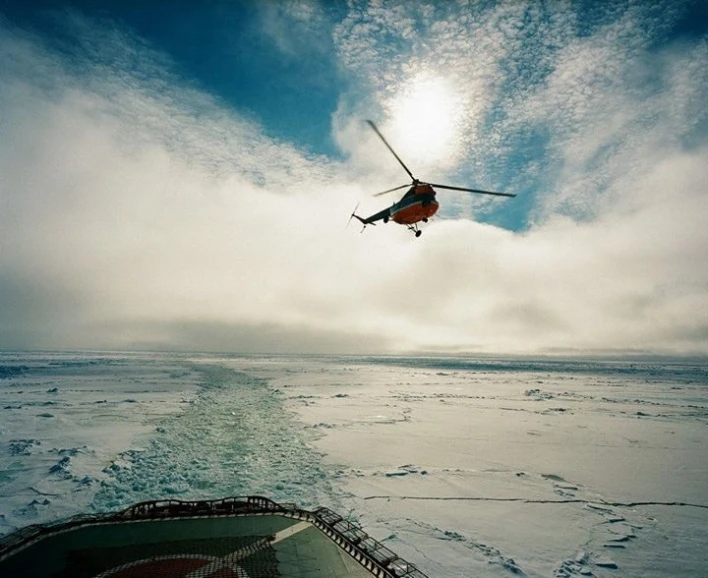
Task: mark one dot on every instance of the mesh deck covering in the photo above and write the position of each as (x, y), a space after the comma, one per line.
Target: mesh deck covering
(236, 537)
(194, 558)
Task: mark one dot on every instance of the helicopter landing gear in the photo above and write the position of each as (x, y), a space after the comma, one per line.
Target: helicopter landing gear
(415, 229)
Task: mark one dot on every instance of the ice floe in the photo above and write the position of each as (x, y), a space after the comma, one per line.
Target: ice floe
(464, 467)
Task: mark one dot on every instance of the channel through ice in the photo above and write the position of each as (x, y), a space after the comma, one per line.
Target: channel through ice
(464, 467)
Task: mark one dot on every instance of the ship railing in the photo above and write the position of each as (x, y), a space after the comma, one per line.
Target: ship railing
(370, 553)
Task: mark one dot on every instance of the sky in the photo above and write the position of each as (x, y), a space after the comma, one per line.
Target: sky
(180, 175)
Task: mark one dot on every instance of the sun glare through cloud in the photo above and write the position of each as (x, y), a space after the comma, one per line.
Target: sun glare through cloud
(425, 121)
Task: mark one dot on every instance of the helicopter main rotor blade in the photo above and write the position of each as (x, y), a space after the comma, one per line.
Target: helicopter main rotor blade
(372, 125)
(471, 190)
(391, 190)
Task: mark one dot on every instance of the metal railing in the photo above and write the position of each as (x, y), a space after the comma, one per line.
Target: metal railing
(371, 554)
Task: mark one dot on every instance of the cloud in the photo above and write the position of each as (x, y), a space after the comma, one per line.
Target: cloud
(297, 27)
(140, 195)
(138, 211)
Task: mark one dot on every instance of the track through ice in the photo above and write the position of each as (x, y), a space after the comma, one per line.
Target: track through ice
(234, 439)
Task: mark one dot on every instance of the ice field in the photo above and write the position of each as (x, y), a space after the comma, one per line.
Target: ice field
(464, 467)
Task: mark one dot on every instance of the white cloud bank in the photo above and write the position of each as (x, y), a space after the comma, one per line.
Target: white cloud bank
(136, 212)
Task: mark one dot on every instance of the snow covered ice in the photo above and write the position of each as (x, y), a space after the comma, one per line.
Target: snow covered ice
(463, 467)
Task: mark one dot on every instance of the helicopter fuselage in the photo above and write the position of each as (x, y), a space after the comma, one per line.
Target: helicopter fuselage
(417, 204)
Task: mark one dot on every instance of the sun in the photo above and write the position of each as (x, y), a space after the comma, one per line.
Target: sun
(426, 121)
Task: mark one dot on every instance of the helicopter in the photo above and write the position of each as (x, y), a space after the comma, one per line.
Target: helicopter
(418, 204)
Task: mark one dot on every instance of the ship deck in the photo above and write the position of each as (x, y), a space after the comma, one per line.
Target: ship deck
(235, 537)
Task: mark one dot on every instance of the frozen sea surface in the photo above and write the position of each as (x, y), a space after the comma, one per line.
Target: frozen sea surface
(464, 467)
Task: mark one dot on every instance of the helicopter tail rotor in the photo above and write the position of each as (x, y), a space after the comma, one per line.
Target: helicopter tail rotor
(353, 214)
(360, 219)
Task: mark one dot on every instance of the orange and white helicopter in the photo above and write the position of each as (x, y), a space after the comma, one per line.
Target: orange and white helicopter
(418, 204)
